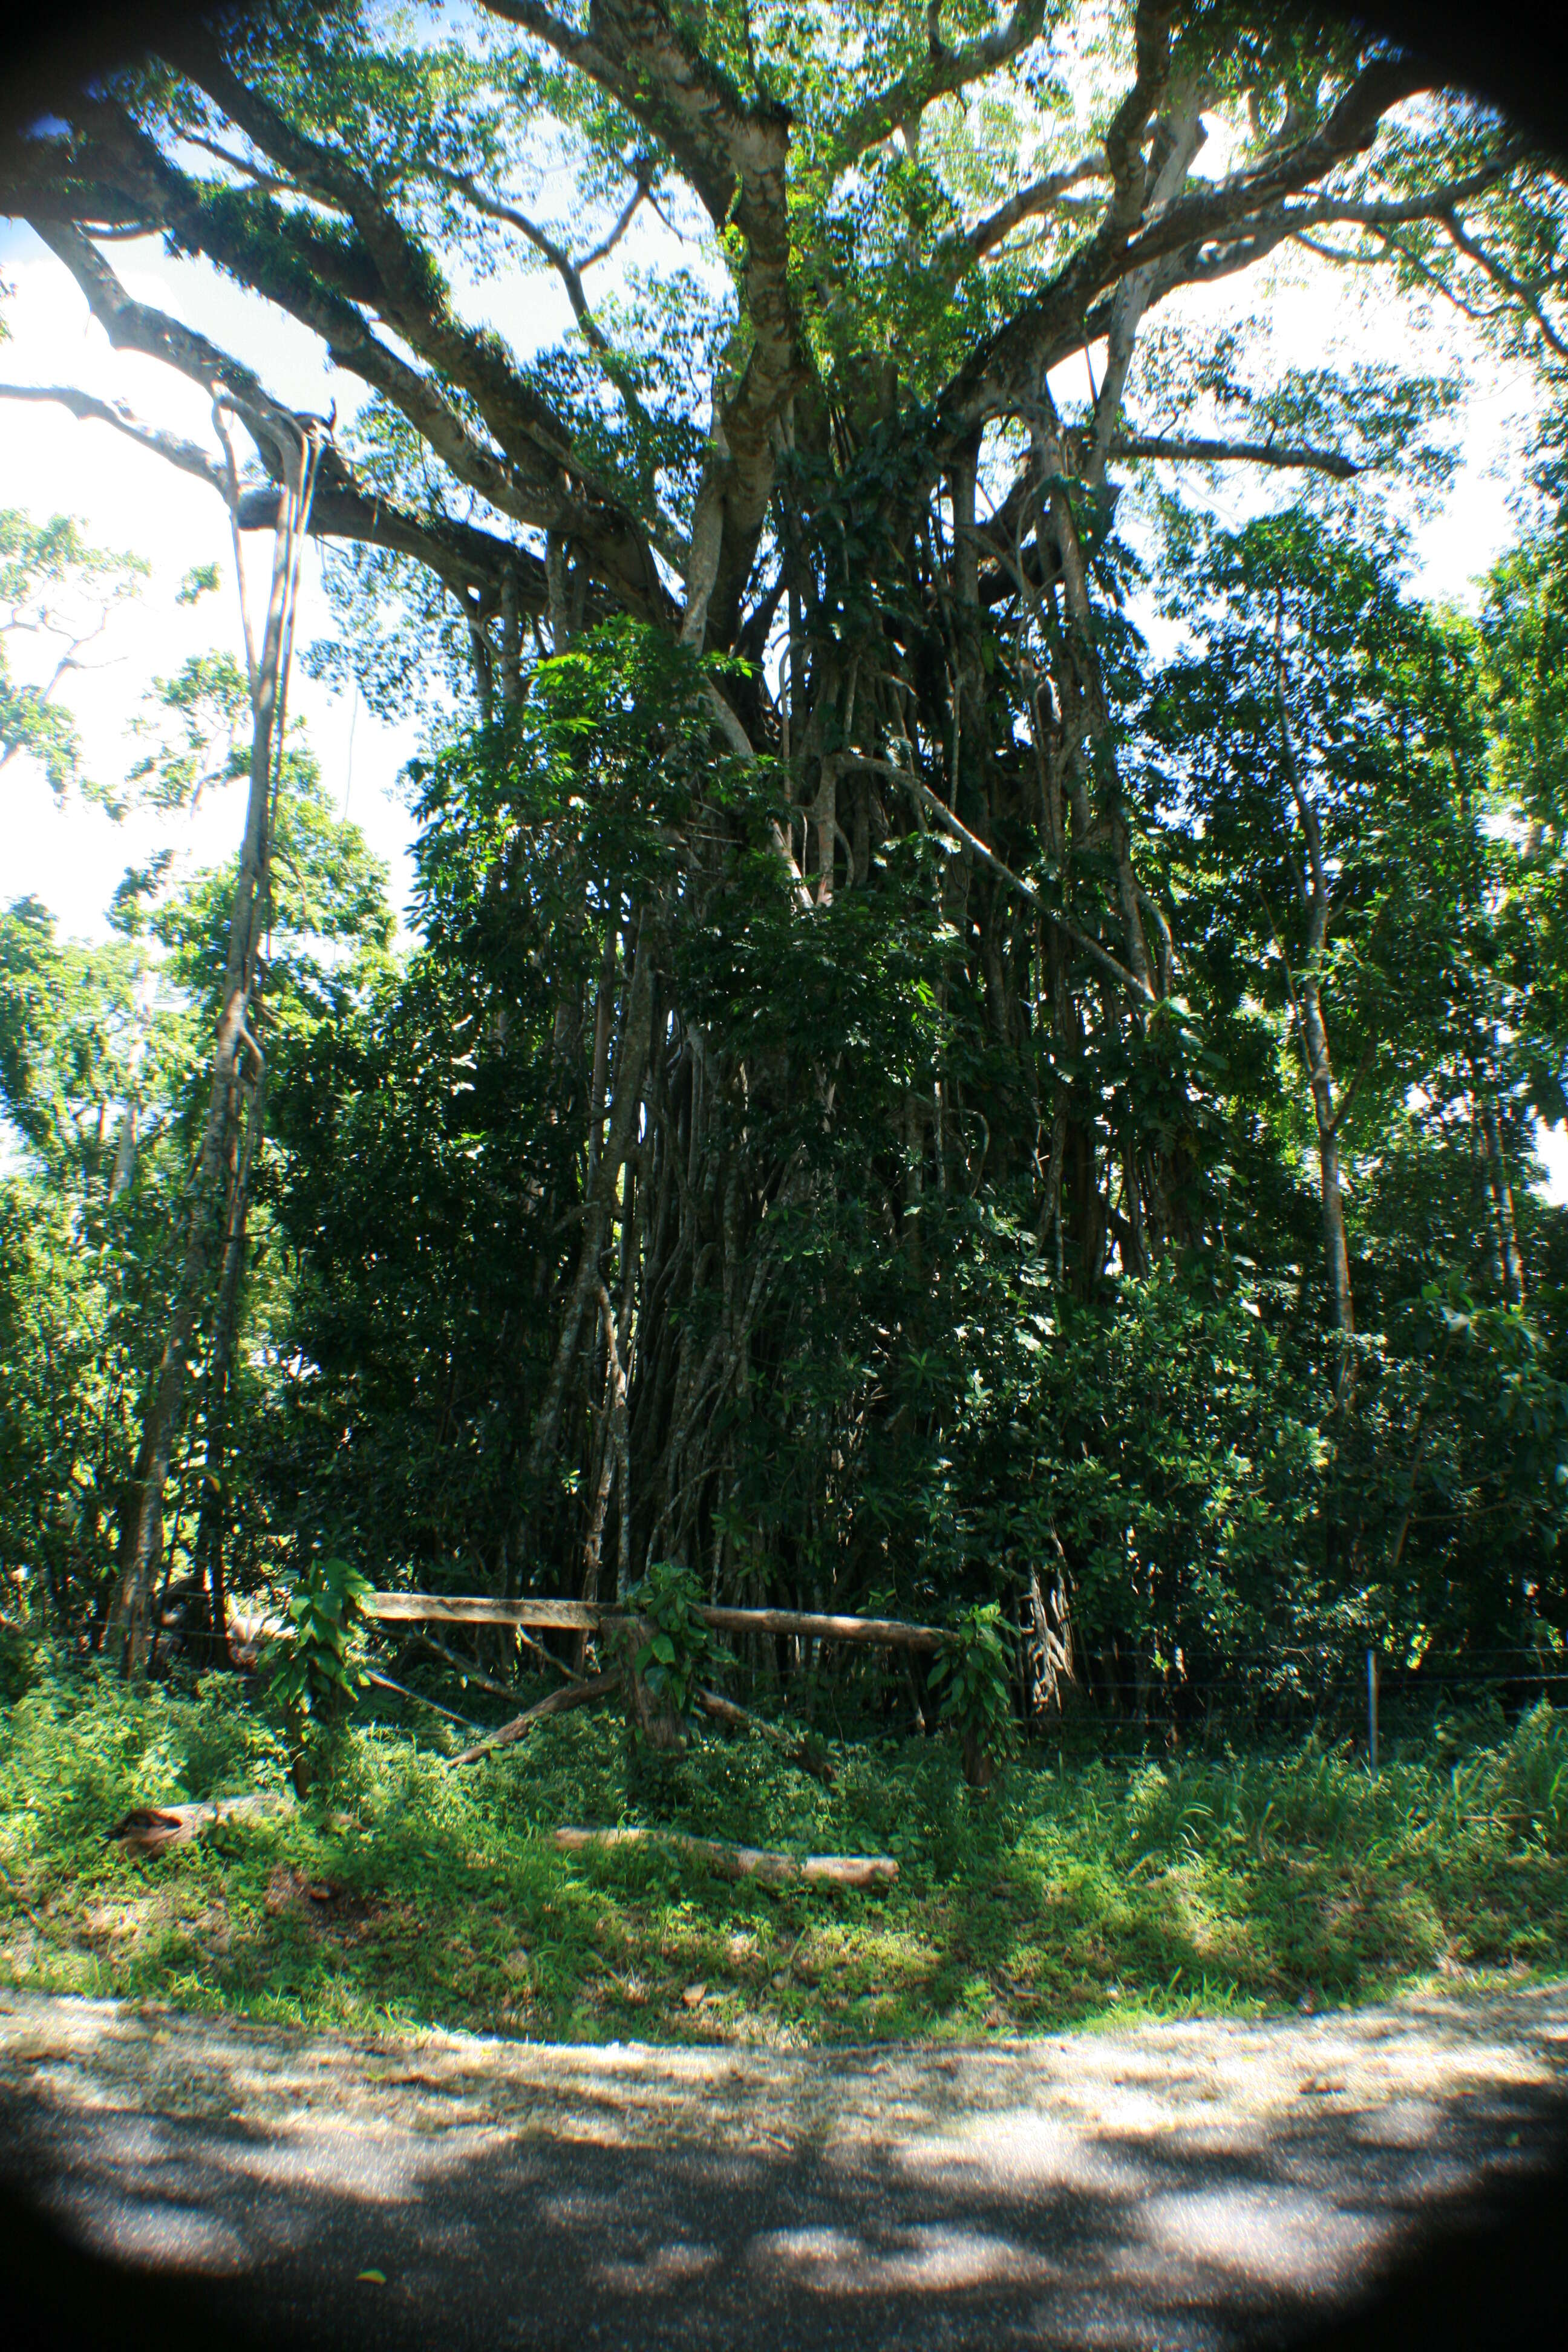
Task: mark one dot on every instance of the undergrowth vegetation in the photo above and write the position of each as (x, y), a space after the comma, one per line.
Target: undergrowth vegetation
(407, 1893)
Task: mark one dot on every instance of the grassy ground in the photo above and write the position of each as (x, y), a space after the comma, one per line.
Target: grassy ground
(409, 1894)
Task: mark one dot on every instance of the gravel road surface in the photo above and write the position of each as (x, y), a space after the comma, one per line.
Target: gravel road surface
(1190, 2185)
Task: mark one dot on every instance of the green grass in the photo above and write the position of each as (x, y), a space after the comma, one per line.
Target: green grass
(1060, 1897)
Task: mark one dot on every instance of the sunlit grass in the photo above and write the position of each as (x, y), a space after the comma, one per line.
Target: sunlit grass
(407, 1893)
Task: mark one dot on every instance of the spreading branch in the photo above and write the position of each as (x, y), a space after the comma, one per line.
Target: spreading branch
(524, 462)
(189, 457)
(1051, 194)
(1004, 376)
(940, 73)
(734, 153)
(1514, 288)
(570, 272)
(1196, 450)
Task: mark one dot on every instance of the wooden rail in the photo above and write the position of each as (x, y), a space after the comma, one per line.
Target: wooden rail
(588, 1616)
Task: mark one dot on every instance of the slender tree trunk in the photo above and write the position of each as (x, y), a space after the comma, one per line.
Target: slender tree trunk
(213, 1521)
(1336, 1253)
(126, 1636)
(123, 1171)
(1327, 1111)
(1328, 1108)
(1513, 1264)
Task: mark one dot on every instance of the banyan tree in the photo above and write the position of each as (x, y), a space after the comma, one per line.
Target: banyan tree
(811, 965)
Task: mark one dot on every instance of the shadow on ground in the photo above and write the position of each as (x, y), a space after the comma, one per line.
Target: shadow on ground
(1188, 2185)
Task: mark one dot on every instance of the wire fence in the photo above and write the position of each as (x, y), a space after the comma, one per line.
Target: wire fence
(1360, 1695)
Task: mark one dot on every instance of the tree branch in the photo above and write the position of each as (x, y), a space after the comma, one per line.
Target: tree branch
(1256, 453)
(633, 50)
(136, 326)
(628, 212)
(188, 456)
(1039, 196)
(735, 155)
(939, 75)
(557, 257)
(1004, 376)
(569, 271)
(410, 294)
(473, 563)
(267, 181)
(530, 481)
(1494, 269)
(468, 560)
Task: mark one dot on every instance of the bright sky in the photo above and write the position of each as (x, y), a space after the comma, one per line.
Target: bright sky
(73, 857)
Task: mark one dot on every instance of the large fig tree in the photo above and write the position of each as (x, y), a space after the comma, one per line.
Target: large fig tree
(819, 947)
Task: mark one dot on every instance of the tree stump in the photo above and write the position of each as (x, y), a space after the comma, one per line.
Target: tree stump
(651, 1716)
(979, 1764)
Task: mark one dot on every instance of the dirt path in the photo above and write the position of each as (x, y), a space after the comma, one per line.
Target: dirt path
(1194, 2185)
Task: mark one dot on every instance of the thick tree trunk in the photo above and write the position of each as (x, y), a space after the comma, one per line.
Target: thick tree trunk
(650, 1717)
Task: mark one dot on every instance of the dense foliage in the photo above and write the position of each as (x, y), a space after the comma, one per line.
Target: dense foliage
(915, 1088)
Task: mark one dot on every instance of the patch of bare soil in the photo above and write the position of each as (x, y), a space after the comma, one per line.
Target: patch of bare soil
(323, 1907)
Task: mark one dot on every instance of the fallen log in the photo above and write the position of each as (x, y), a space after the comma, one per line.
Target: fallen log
(724, 1710)
(558, 1703)
(151, 1829)
(746, 1861)
(251, 1630)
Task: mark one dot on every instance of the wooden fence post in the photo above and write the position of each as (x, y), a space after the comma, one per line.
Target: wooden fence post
(1372, 1709)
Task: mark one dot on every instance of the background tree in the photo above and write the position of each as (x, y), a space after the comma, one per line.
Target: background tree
(57, 595)
(104, 1075)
